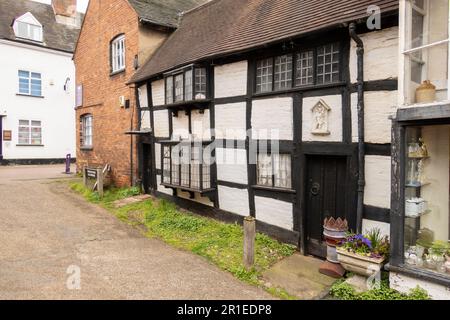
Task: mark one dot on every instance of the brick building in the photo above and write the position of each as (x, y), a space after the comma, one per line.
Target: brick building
(116, 36)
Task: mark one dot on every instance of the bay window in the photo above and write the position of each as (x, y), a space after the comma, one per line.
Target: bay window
(425, 49)
(189, 84)
(186, 166)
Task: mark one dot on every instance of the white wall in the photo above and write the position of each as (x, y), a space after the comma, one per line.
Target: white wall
(161, 188)
(230, 79)
(234, 200)
(161, 123)
(275, 212)
(378, 107)
(273, 115)
(404, 284)
(231, 121)
(158, 93)
(380, 55)
(201, 125)
(158, 149)
(55, 111)
(378, 181)
(334, 118)
(385, 228)
(232, 165)
(180, 126)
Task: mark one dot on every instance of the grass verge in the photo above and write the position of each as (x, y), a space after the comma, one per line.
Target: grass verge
(218, 242)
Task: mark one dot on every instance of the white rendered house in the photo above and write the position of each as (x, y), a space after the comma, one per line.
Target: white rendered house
(37, 80)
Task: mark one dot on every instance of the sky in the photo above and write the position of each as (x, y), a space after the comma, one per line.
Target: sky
(81, 4)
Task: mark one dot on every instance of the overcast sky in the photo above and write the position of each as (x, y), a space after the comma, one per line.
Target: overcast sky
(82, 4)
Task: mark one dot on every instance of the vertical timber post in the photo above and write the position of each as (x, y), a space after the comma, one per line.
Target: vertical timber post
(100, 181)
(249, 241)
(84, 176)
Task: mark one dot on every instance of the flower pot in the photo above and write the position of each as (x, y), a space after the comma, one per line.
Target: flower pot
(358, 264)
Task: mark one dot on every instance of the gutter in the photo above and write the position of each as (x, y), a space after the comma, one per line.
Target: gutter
(361, 149)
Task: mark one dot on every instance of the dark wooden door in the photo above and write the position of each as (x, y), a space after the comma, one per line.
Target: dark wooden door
(325, 197)
(147, 172)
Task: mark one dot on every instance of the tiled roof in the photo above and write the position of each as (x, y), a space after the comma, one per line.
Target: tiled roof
(227, 26)
(163, 12)
(56, 35)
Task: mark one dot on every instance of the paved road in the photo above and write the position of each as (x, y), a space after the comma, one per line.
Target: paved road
(45, 229)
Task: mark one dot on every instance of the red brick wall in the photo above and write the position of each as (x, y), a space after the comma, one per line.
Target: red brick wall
(104, 20)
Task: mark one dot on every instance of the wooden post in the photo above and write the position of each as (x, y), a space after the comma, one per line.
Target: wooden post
(84, 176)
(100, 181)
(249, 242)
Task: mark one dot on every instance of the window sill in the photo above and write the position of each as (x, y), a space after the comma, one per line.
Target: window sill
(29, 95)
(86, 148)
(114, 73)
(300, 88)
(274, 189)
(29, 145)
(421, 274)
(183, 105)
(167, 185)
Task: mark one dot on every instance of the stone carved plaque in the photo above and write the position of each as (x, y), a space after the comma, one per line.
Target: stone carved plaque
(320, 113)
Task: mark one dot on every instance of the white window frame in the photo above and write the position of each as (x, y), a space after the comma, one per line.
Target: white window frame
(34, 30)
(269, 171)
(85, 133)
(405, 28)
(118, 54)
(31, 124)
(29, 80)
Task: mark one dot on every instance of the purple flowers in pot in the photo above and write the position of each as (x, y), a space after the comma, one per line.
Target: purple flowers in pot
(373, 244)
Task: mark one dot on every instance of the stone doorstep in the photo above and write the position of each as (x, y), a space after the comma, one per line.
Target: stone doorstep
(299, 275)
(124, 202)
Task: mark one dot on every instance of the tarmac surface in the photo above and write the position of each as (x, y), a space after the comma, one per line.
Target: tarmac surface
(55, 245)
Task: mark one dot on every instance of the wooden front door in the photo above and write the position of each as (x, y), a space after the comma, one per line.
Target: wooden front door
(147, 172)
(326, 189)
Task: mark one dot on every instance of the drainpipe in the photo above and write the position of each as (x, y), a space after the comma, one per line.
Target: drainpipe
(361, 151)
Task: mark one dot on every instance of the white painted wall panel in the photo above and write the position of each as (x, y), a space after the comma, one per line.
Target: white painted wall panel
(161, 188)
(161, 122)
(273, 119)
(201, 125)
(378, 107)
(143, 97)
(231, 79)
(334, 119)
(385, 228)
(380, 55)
(378, 181)
(232, 165)
(231, 121)
(158, 93)
(404, 284)
(274, 212)
(234, 200)
(180, 126)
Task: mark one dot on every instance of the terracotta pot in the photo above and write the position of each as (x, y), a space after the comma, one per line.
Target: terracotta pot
(426, 92)
(362, 265)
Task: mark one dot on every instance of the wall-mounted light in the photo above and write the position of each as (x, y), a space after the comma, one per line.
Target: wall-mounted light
(67, 85)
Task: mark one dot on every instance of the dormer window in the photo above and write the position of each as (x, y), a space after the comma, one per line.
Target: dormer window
(28, 27)
(187, 84)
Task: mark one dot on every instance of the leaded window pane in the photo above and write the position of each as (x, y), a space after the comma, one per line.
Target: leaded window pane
(179, 86)
(305, 68)
(188, 85)
(169, 90)
(328, 63)
(264, 170)
(282, 170)
(200, 83)
(264, 74)
(283, 72)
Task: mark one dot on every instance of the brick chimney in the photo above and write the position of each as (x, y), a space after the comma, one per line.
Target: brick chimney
(65, 8)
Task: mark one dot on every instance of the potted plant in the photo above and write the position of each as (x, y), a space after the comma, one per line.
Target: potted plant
(364, 254)
(437, 256)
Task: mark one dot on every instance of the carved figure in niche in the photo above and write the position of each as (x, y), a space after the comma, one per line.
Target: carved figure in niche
(320, 118)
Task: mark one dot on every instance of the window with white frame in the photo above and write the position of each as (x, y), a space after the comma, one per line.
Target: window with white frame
(30, 132)
(425, 48)
(283, 72)
(30, 83)
(274, 170)
(264, 75)
(86, 131)
(328, 63)
(118, 54)
(28, 31)
(304, 68)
